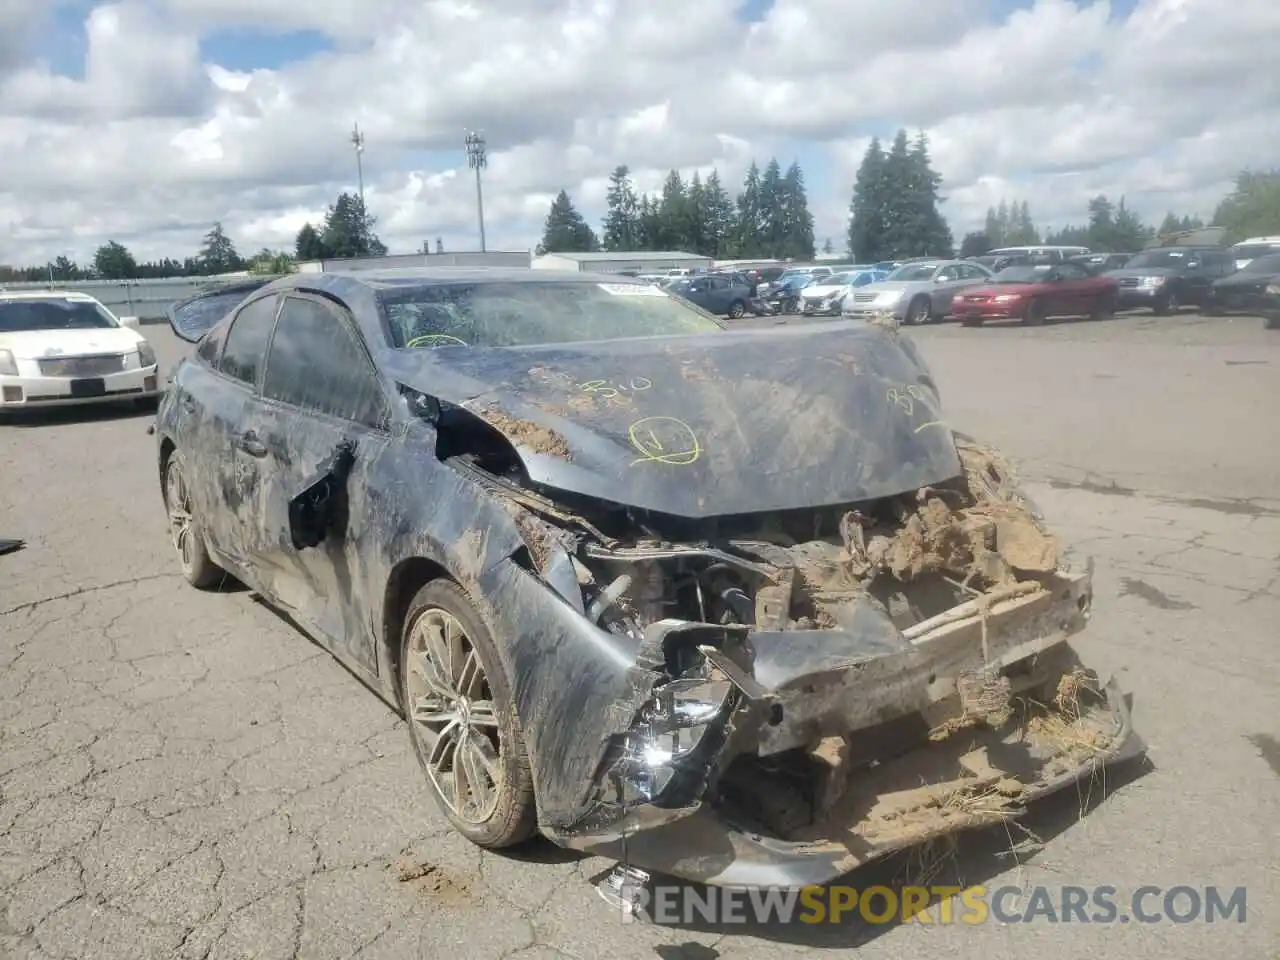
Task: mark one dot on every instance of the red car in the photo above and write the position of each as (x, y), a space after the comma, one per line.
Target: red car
(1035, 294)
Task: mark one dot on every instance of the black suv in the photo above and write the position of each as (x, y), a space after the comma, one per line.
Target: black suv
(1168, 278)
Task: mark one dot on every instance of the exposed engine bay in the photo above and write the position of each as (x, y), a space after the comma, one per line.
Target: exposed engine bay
(869, 676)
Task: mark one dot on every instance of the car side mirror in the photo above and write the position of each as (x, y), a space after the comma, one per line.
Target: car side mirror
(131, 322)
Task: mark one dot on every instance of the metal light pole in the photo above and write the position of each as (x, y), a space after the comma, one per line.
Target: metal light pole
(477, 160)
(357, 143)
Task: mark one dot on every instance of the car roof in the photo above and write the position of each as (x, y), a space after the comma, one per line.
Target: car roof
(71, 296)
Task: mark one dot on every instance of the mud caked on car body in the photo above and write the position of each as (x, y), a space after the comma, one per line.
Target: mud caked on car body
(738, 596)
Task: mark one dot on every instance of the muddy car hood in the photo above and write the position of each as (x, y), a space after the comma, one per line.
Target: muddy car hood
(707, 425)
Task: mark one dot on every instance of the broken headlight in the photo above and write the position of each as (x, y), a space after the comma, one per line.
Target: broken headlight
(669, 728)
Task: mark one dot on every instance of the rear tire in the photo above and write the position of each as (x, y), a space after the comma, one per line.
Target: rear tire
(469, 701)
(185, 531)
(737, 310)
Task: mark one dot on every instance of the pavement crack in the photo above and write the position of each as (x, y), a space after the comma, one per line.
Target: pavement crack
(81, 591)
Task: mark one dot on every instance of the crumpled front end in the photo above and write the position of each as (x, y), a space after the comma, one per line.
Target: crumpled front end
(822, 697)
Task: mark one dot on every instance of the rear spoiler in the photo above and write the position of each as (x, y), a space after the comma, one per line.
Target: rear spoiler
(192, 317)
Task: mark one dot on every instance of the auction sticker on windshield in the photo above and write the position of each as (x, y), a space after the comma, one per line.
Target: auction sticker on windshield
(631, 290)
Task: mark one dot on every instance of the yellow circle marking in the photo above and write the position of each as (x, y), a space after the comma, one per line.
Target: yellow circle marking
(435, 340)
(665, 440)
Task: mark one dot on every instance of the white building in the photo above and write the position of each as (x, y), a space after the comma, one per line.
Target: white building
(461, 258)
(629, 262)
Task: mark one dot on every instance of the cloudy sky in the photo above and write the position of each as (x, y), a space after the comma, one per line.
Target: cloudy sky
(146, 120)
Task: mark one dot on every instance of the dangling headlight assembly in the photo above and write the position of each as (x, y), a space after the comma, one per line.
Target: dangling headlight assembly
(669, 729)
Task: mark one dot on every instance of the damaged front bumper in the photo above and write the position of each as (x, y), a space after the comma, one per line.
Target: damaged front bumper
(788, 758)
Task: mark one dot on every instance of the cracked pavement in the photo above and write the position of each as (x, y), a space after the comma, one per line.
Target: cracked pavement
(183, 774)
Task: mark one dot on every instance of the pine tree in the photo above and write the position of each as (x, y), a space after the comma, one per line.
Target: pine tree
(673, 214)
(348, 230)
(797, 221)
(565, 230)
(719, 220)
(993, 229)
(934, 238)
(696, 205)
(750, 232)
(773, 216)
(218, 254)
(308, 245)
(622, 216)
(867, 209)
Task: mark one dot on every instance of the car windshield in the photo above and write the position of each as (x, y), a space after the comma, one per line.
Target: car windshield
(915, 271)
(835, 280)
(792, 275)
(1159, 259)
(1268, 264)
(52, 313)
(504, 314)
(1020, 274)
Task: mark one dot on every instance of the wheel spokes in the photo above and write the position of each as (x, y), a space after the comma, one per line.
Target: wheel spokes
(452, 711)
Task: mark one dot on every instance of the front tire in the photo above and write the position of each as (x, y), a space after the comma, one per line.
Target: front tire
(185, 531)
(457, 705)
(918, 312)
(737, 310)
(1104, 308)
(1168, 304)
(1034, 316)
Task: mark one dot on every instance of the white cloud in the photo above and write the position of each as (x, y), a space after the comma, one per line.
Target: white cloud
(152, 139)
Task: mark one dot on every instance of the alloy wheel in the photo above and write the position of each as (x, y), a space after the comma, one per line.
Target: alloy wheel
(178, 501)
(451, 707)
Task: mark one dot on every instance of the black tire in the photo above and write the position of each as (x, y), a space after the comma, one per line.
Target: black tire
(1104, 308)
(918, 312)
(737, 309)
(198, 568)
(1034, 315)
(1167, 304)
(514, 819)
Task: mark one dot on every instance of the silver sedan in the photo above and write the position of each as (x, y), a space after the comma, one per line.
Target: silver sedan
(917, 292)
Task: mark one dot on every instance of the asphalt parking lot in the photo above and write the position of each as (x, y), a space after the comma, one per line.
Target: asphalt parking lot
(186, 775)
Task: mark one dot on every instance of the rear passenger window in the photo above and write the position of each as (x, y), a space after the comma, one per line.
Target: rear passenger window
(246, 350)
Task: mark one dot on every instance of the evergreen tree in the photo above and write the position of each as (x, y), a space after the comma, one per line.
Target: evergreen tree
(867, 209)
(348, 230)
(994, 229)
(696, 207)
(935, 237)
(622, 215)
(565, 230)
(718, 218)
(674, 218)
(1252, 209)
(113, 261)
(308, 245)
(772, 210)
(750, 232)
(975, 244)
(218, 254)
(797, 221)
(650, 224)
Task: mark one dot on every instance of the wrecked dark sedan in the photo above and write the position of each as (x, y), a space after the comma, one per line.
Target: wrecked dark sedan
(739, 596)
